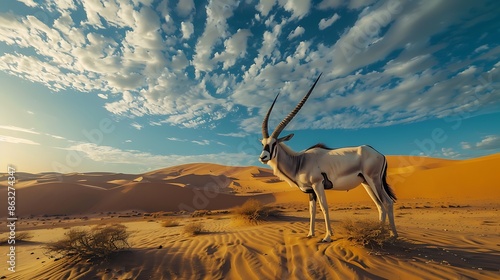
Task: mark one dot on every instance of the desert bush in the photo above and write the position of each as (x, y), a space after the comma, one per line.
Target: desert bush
(367, 233)
(193, 228)
(100, 242)
(171, 222)
(253, 211)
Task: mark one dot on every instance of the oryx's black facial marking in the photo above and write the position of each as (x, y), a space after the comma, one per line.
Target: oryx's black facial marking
(270, 149)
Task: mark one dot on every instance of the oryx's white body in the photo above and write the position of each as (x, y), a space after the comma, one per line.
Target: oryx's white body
(319, 168)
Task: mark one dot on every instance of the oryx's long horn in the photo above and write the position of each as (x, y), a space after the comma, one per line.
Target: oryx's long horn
(265, 130)
(292, 114)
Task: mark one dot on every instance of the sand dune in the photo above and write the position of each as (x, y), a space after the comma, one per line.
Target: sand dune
(447, 216)
(213, 186)
(458, 180)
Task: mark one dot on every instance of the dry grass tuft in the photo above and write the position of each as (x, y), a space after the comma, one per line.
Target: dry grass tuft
(171, 222)
(20, 237)
(367, 233)
(100, 242)
(193, 229)
(253, 211)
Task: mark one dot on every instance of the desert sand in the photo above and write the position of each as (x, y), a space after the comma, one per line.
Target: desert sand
(446, 213)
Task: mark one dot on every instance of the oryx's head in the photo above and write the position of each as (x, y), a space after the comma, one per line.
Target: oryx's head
(270, 143)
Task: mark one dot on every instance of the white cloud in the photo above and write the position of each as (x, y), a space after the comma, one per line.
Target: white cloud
(215, 30)
(136, 126)
(102, 95)
(235, 47)
(449, 153)
(296, 32)
(107, 154)
(234, 134)
(142, 58)
(298, 8)
(469, 71)
(16, 140)
(184, 7)
(201, 142)
(29, 3)
(403, 67)
(187, 29)
(265, 6)
(481, 48)
(16, 128)
(176, 139)
(352, 4)
(198, 142)
(325, 23)
(55, 136)
(179, 61)
(490, 142)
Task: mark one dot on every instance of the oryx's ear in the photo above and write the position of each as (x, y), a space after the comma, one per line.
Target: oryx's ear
(285, 138)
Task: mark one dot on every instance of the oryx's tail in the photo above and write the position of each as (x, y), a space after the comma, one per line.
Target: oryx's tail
(387, 188)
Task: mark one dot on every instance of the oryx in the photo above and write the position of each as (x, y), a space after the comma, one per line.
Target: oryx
(319, 168)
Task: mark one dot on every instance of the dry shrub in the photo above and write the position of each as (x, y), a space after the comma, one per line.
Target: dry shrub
(170, 222)
(367, 233)
(253, 211)
(100, 242)
(193, 229)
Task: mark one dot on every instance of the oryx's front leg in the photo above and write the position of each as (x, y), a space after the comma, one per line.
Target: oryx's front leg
(320, 192)
(312, 213)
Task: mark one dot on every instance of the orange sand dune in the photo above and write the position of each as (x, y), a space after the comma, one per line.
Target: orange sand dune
(460, 180)
(57, 199)
(152, 197)
(230, 179)
(212, 186)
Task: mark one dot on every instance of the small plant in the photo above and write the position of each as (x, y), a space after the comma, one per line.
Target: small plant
(253, 211)
(193, 229)
(100, 242)
(366, 233)
(170, 223)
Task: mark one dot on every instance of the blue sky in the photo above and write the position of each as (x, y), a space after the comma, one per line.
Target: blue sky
(131, 86)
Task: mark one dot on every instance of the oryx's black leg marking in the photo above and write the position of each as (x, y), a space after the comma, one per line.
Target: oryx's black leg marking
(312, 196)
(327, 184)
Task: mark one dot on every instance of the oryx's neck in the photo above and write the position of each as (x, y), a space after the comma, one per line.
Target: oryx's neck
(287, 164)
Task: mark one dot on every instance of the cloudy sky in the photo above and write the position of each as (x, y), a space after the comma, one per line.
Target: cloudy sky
(131, 86)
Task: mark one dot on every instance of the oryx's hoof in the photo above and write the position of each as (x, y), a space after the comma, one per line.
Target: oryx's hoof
(325, 241)
(310, 235)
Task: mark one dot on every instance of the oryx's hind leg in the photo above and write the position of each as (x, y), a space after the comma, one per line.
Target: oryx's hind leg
(382, 213)
(312, 213)
(390, 212)
(385, 204)
(320, 192)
